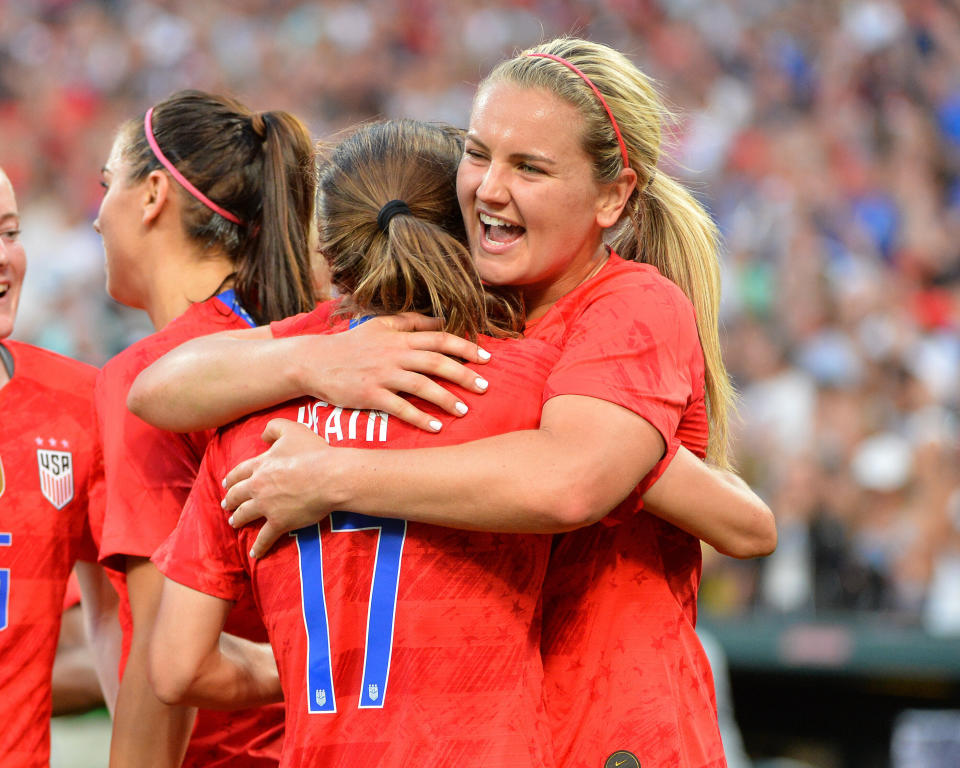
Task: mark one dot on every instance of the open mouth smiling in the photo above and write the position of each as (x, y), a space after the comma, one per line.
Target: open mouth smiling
(499, 231)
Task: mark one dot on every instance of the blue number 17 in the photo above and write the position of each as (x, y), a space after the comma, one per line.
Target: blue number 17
(381, 610)
(6, 539)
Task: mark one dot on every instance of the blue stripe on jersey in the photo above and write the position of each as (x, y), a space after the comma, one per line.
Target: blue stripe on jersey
(229, 297)
(6, 539)
(355, 321)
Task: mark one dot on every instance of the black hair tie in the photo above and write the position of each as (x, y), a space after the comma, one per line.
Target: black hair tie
(391, 209)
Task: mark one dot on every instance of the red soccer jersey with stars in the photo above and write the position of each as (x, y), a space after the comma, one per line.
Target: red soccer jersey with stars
(397, 643)
(148, 476)
(623, 667)
(47, 448)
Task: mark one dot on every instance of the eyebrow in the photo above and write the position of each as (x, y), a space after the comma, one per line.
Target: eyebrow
(515, 156)
(9, 216)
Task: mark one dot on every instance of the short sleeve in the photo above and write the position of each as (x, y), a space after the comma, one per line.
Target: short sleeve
(315, 321)
(203, 552)
(633, 342)
(148, 472)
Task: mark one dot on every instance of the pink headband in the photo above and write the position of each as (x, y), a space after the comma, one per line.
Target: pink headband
(588, 81)
(151, 140)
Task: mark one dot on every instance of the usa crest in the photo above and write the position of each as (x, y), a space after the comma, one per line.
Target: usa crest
(56, 476)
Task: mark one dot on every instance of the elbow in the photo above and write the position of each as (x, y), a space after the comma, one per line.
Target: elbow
(570, 508)
(171, 680)
(759, 541)
(139, 398)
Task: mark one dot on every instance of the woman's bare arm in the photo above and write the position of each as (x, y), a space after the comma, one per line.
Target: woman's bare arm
(192, 662)
(714, 505)
(212, 380)
(587, 455)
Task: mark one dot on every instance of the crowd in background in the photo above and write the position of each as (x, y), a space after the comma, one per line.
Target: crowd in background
(823, 135)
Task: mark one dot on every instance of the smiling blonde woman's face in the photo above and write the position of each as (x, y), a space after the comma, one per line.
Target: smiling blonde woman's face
(528, 193)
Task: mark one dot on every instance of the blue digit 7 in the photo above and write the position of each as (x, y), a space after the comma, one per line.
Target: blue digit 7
(381, 610)
(6, 540)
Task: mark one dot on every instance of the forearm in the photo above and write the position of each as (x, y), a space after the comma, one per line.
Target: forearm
(521, 482)
(238, 674)
(75, 684)
(146, 731)
(212, 380)
(714, 505)
(99, 604)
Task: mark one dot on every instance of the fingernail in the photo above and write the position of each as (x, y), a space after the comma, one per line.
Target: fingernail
(482, 353)
(481, 383)
(435, 425)
(223, 504)
(224, 482)
(461, 408)
(230, 520)
(253, 554)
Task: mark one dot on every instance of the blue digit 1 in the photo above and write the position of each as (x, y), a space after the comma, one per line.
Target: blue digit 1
(381, 610)
(320, 696)
(6, 540)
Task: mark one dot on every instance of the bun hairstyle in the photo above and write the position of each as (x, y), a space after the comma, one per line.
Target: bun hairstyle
(247, 182)
(662, 223)
(390, 227)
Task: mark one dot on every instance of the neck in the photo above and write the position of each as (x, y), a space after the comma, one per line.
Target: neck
(539, 300)
(187, 282)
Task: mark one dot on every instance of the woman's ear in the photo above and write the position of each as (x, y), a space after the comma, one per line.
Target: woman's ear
(614, 196)
(156, 188)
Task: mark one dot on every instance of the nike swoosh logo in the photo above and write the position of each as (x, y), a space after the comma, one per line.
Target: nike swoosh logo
(617, 764)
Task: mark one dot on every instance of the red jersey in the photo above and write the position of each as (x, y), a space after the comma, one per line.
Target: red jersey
(148, 476)
(397, 643)
(623, 667)
(46, 451)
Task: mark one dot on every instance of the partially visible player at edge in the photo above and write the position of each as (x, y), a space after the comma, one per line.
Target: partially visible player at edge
(48, 455)
(205, 225)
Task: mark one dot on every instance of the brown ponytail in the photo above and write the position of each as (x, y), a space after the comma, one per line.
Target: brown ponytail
(418, 261)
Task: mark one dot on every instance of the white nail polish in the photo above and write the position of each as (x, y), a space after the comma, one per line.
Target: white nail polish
(224, 482)
(481, 383)
(482, 353)
(461, 408)
(435, 425)
(223, 504)
(230, 520)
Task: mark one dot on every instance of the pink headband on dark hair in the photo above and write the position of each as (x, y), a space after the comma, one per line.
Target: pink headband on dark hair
(152, 141)
(588, 81)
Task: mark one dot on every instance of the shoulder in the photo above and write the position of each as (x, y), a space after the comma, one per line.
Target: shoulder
(318, 320)
(625, 299)
(635, 279)
(50, 368)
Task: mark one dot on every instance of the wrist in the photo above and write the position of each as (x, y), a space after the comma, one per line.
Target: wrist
(347, 469)
(300, 363)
